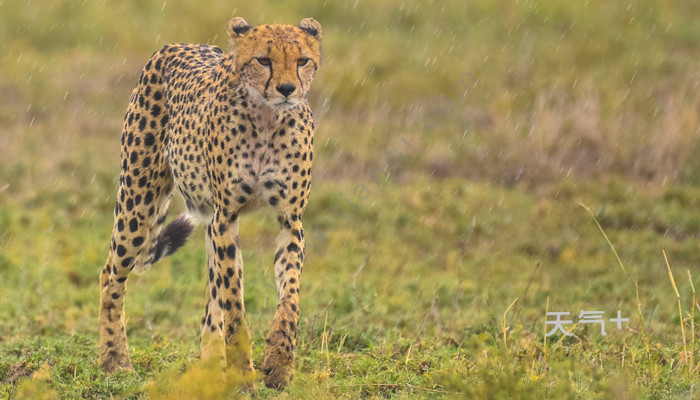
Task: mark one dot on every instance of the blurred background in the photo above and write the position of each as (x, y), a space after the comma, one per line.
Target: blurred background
(454, 143)
(562, 90)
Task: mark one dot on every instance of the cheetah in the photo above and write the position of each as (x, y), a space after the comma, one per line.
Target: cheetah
(232, 132)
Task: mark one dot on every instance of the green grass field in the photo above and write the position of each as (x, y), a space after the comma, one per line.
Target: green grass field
(456, 144)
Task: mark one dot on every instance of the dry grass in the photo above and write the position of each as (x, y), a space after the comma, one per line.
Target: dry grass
(571, 134)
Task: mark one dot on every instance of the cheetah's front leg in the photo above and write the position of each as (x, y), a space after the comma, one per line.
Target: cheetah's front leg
(224, 330)
(278, 362)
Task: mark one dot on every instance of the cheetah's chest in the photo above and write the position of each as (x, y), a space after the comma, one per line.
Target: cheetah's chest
(261, 163)
(246, 151)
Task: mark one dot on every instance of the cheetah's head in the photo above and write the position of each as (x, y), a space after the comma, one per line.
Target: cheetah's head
(276, 62)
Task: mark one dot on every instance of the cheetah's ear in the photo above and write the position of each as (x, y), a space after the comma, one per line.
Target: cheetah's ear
(311, 26)
(237, 27)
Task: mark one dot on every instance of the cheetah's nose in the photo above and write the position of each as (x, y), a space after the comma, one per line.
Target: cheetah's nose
(286, 89)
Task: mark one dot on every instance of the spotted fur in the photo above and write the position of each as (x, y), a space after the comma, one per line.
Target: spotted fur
(231, 132)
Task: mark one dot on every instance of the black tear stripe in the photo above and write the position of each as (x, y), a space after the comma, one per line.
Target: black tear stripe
(301, 85)
(267, 84)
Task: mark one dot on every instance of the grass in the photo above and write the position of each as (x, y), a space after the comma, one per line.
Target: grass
(434, 207)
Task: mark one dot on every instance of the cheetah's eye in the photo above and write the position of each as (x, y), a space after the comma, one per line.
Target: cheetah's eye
(302, 61)
(264, 61)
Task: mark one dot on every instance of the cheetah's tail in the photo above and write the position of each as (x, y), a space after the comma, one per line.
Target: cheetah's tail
(172, 237)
